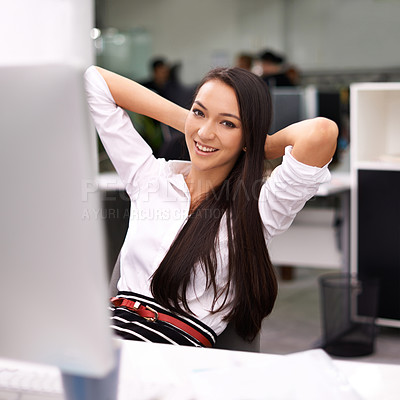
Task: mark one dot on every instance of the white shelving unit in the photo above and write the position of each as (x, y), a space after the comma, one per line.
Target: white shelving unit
(375, 195)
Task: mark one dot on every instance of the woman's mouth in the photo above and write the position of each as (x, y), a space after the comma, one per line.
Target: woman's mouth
(204, 149)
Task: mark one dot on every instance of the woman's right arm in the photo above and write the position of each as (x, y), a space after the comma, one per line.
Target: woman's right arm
(134, 97)
(130, 154)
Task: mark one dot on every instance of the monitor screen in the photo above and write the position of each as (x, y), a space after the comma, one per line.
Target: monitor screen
(53, 286)
(288, 107)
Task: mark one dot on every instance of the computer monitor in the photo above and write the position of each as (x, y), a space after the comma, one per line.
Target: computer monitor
(288, 107)
(53, 286)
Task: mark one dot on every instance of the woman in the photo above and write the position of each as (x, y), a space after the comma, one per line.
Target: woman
(195, 254)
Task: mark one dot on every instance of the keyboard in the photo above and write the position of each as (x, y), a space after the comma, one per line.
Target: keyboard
(26, 381)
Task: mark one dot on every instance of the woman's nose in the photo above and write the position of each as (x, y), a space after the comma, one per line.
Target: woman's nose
(206, 131)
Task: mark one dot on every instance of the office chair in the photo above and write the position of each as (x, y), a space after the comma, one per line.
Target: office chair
(228, 340)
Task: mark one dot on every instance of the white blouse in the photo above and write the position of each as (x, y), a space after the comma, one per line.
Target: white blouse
(160, 201)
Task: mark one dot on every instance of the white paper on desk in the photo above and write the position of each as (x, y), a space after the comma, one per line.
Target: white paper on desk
(307, 375)
(165, 372)
(151, 371)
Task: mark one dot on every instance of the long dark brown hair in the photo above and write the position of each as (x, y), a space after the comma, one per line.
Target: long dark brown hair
(251, 276)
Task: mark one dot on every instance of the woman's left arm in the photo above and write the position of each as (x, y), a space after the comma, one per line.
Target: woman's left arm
(297, 180)
(313, 140)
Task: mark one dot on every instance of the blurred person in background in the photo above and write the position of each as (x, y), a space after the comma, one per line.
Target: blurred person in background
(245, 61)
(274, 69)
(160, 74)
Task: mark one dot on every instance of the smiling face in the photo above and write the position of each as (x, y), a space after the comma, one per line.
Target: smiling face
(213, 130)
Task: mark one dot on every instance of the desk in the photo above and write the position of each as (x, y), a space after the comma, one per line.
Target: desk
(207, 374)
(372, 381)
(155, 371)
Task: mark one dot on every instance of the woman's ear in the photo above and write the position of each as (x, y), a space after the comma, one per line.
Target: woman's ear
(244, 149)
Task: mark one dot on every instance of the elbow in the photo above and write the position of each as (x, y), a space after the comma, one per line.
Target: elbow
(316, 143)
(326, 129)
(324, 135)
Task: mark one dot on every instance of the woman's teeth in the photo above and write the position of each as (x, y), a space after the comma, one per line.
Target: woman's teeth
(205, 149)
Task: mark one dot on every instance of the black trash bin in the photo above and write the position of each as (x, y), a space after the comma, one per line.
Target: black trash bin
(349, 311)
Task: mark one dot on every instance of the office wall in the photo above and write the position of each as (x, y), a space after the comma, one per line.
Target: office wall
(198, 33)
(344, 33)
(315, 34)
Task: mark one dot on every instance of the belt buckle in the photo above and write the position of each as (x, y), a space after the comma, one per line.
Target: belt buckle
(151, 319)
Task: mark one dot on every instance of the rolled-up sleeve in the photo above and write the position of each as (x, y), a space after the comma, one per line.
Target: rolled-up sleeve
(127, 150)
(286, 191)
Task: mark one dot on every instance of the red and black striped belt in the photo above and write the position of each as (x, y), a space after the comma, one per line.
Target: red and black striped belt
(150, 314)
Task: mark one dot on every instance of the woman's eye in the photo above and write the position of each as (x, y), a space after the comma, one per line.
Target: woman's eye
(198, 112)
(229, 124)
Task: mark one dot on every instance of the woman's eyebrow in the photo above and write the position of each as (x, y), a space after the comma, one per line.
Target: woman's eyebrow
(230, 115)
(200, 104)
(224, 114)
